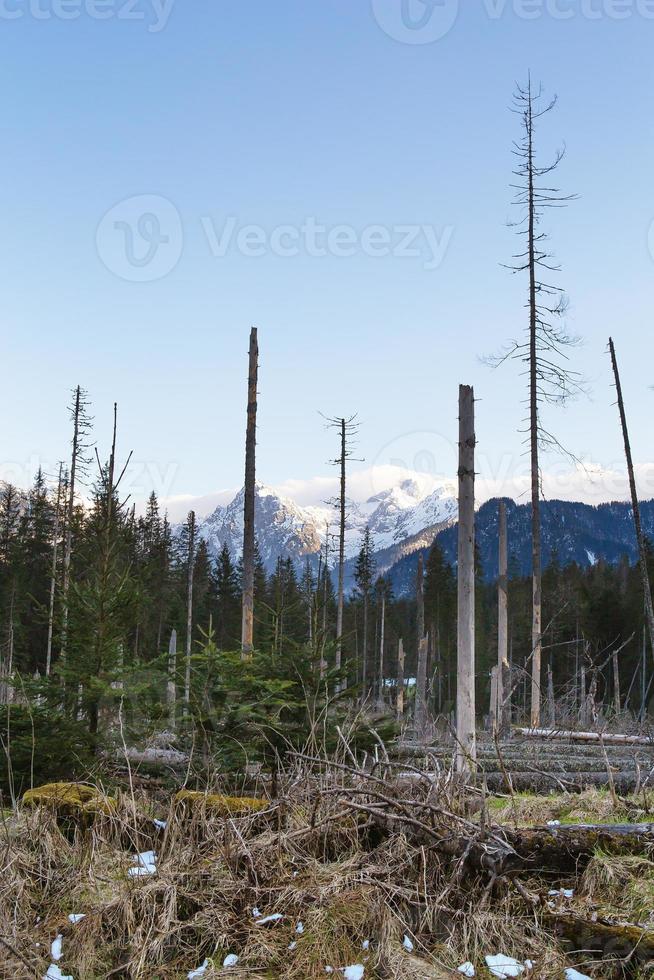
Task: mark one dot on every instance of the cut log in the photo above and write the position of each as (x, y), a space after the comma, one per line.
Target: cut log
(608, 738)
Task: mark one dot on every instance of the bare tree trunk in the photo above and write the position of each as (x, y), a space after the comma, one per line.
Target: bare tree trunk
(503, 716)
(616, 686)
(382, 633)
(536, 554)
(325, 596)
(399, 698)
(53, 572)
(68, 543)
(247, 628)
(550, 697)
(341, 552)
(171, 686)
(420, 709)
(189, 609)
(420, 719)
(635, 504)
(364, 663)
(465, 693)
(582, 699)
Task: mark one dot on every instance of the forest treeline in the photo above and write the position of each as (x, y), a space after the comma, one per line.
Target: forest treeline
(128, 591)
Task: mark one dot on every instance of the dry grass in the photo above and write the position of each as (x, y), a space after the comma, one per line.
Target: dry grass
(324, 855)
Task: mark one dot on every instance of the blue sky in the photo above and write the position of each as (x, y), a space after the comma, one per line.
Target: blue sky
(273, 115)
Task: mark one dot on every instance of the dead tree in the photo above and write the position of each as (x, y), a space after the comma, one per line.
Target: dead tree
(465, 692)
(420, 721)
(382, 640)
(53, 569)
(347, 428)
(543, 350)
(171, 686)
(78, 463)
(635, 503)
(501, 704)
(399, 695)
(189, 608)
(247, 627)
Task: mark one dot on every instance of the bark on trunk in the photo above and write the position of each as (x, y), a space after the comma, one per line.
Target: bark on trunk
(341, 553)
(53, 573)
(171, 687)
(399, 699)
(247, 626)
(465, 694)
(189, 609)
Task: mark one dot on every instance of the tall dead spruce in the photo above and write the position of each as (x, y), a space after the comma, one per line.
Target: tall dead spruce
(247, 627)
(347, 429)
(543, 350)
(635, 503)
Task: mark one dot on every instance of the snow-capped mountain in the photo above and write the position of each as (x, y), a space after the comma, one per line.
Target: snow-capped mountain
(397, 518)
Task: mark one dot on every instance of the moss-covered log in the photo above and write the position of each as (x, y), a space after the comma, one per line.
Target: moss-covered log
(602, 939)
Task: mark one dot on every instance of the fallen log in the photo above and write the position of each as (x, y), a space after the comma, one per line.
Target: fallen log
(569, 847)
(602, 939)
(607, 738)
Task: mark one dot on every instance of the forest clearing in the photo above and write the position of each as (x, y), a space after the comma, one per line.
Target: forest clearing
(367, 723)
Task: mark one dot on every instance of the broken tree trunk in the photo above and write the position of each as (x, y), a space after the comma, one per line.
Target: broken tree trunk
(189, 609)
(399, 697)
(341, 553)
(503, 682)
(53, 572)
(171, 686)
(635, 504)
(420, 711)
(247, 624)
(465, 694)
(423, 655)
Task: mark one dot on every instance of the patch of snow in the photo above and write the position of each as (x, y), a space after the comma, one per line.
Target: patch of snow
(408, 945)
(160, 824)
(467, 969)
(571, 974)
(256, 914)
(56, 951)
(269, 919)
(230, 961)
(76, 917)
(563, 892)
(292, 946)
(54, 973)
(201, 970)
(354, 972)
(504, 966)
(365, 945)
(553, 823)
(299, 928)
(146, 864)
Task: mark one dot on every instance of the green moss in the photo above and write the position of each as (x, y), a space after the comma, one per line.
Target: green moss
(218, 805)
(70, 799)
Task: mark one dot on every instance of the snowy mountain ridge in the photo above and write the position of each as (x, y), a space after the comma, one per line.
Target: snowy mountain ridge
(286, 529)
